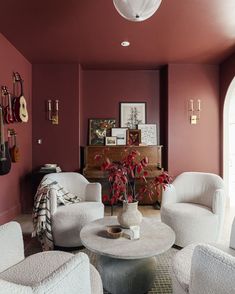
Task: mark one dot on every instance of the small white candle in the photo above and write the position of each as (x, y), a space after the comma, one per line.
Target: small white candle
(191, 105)
(199, 104)
(49, 105)
(57, 105)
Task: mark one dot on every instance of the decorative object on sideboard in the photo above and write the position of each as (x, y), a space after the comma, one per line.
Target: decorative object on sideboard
(50, 168)
(194, 109)
(120, 134)
(148, 134)
(136, 10)
(53, 111)
(132, 114)
(19, 102)
(99, 128)
(133, 137)
(5, 160)
(110, 141)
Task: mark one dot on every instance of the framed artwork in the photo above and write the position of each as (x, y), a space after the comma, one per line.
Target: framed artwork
(132, 114)
(148, 134)
(133, 137)
(110, 141)
(120, 134)
(99, 128)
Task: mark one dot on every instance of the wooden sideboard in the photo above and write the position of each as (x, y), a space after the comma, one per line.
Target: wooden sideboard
(92, 168)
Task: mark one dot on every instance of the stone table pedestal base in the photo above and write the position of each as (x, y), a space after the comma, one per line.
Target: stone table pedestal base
(122, 276)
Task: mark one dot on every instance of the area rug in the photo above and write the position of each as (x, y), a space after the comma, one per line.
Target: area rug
(162, 283)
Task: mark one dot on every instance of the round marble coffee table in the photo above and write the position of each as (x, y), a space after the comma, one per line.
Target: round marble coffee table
(127, 266)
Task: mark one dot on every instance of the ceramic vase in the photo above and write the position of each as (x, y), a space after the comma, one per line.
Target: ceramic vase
(130, 215)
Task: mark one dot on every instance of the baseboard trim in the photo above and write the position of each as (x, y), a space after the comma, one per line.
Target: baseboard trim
(10, 214)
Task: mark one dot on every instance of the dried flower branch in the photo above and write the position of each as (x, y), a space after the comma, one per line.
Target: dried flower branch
(122, 176)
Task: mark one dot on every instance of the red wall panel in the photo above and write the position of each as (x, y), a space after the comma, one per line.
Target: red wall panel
(102, 90)
(60, 143)
(15, 192)
(193, 147)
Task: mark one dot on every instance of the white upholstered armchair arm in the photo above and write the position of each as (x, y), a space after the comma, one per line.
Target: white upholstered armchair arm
(169, 195)
(11, 245)
(93, 192)
(72, 277)
(232, 235)
(212, 271)
(53, 201)
(218, 201)
(12, 288)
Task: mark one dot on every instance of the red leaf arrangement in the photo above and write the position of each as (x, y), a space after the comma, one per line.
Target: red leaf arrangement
(122, 176)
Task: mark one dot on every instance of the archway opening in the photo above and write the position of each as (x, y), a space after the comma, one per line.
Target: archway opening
(229, 143)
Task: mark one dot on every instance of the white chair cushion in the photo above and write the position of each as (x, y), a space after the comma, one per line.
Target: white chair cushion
(191, 222)
(70, 219)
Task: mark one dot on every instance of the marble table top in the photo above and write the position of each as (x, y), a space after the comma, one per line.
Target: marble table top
(155, 238)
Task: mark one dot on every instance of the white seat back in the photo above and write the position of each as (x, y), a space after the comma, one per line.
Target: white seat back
(73, 182)
(197, 187)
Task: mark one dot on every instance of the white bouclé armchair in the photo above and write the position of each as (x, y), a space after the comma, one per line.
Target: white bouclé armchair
(67, 221)
(193, 206)
(204, 268)
(52, 272)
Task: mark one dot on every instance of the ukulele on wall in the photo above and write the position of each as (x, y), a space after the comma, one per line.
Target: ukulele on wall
(14, 149)
(8, 113)
(5, 160)
(19, 102)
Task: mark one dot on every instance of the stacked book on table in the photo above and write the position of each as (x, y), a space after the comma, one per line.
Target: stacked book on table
(50, 168)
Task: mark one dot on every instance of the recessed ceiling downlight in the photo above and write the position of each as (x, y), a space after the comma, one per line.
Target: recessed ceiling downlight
(125, 43)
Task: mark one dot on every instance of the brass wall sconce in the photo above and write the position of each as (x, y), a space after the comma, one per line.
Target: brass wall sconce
(194, 108)
(53, 111)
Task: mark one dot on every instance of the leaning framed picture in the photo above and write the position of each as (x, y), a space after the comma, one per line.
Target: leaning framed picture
(120, 134)
(148, 134)
(133, 137)
(132, 114)
(99, 128)
(110, 141)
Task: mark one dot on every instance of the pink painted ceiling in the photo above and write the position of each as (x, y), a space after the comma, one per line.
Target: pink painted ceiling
(90, 32)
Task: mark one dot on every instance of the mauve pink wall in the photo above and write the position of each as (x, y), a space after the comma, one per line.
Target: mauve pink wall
(15, 186)
(102, 90)
(60, 143)
(193, 147)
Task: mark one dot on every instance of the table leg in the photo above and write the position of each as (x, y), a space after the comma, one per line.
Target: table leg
(125, 276)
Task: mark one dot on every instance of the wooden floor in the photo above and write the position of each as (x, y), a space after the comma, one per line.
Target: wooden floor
(147, 211)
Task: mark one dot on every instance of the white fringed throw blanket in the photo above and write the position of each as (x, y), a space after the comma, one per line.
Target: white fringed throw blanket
(42, 210)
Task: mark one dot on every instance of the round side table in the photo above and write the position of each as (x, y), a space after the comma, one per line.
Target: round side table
(127, 266)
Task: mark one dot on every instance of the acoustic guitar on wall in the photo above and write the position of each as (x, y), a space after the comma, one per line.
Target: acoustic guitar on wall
(19, 102)
(5, 160)
(8, 113)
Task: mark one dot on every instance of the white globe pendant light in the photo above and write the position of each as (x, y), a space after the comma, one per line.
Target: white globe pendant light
(136, 10)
